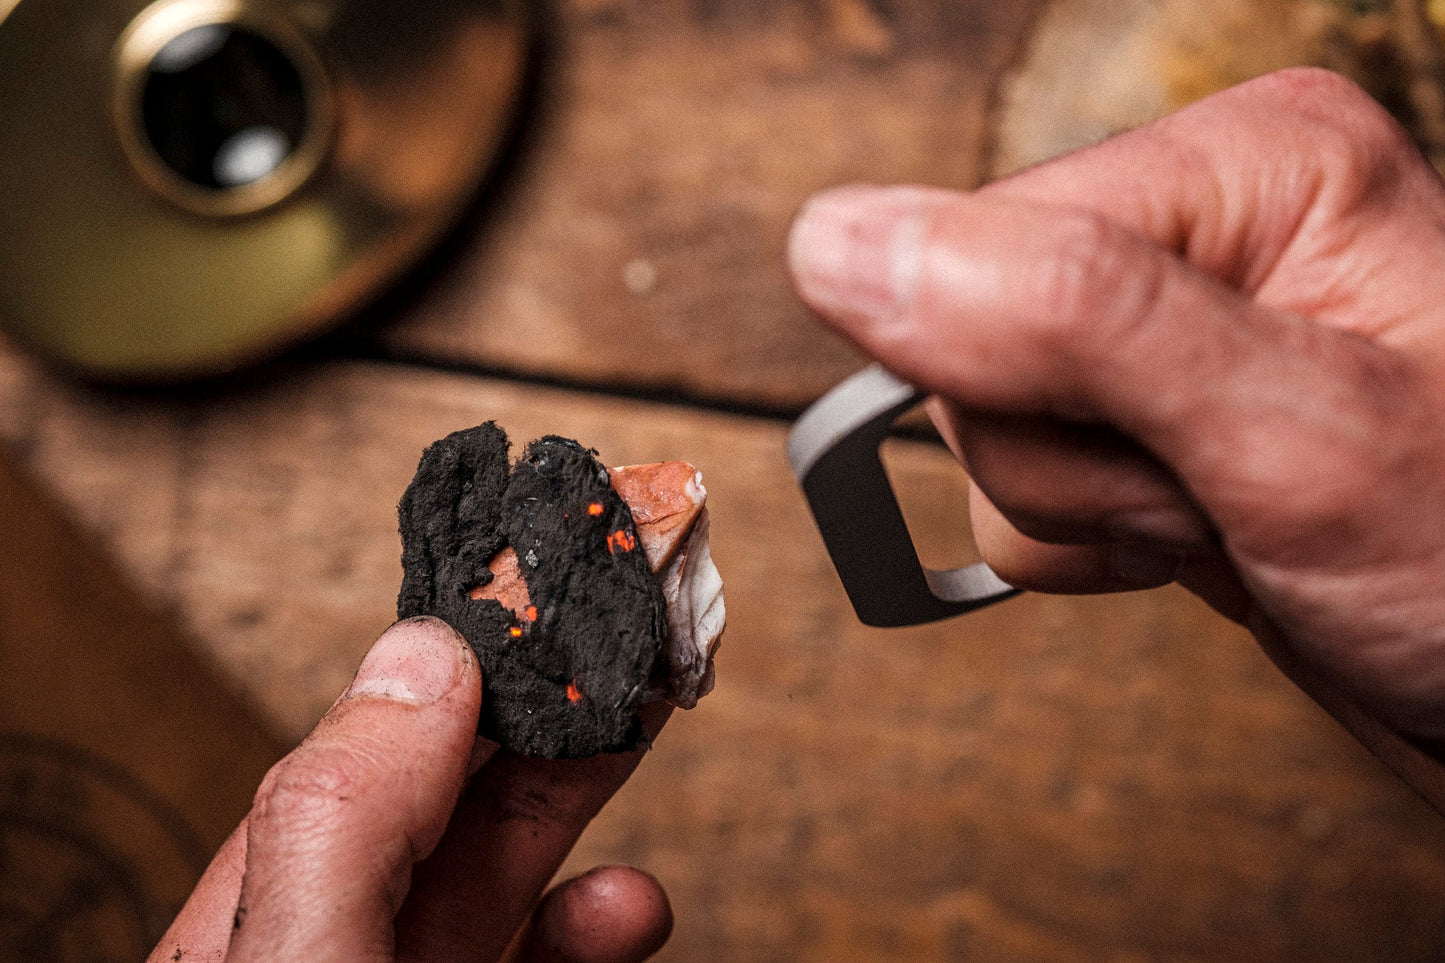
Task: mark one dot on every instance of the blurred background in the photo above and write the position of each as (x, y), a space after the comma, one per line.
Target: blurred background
(247, 274)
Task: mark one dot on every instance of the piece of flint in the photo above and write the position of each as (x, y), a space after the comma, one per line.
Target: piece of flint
(567, 681)
(669, 506)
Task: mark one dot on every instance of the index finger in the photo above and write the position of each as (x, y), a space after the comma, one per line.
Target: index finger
(513, 827)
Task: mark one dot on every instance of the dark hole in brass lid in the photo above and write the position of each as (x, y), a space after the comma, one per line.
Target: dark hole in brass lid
(223, 107)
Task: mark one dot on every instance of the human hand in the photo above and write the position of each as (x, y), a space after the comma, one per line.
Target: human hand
(1210, 350)
(368, 842)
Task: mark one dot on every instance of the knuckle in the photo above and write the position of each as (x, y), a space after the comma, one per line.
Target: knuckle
(309, 785)
(1361, 159)
(1093, 287)
(1341, 131)
(1368, 411)
(1303, 85)
(1386, 385)
(1071, 278)
(1317, 465)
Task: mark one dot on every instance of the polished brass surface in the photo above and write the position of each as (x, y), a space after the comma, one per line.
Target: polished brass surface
(137, 48)
(114, 267)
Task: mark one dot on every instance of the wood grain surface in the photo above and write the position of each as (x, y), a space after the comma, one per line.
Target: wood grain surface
(670, 145)
(1120, 778)
(124, 761)
(1048, 779)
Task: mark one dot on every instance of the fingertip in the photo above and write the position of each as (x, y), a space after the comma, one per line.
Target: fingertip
(612, 914)
(855, 252)
(823, 252)
(438, 630)
(813, 222)
(417, 660)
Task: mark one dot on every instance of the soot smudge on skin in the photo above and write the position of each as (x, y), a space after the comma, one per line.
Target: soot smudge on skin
(570, 682)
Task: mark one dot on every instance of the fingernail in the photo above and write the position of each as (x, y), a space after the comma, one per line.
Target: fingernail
(416, 661)
(856, 252)
(1142, 566)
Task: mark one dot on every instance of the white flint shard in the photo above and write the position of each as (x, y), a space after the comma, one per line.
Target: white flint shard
(668, 504)
(696, 617)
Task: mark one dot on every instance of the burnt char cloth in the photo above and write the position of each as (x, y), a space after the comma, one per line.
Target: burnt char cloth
(569, 685)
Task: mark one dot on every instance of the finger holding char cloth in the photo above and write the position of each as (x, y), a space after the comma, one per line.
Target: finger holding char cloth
(540, 566)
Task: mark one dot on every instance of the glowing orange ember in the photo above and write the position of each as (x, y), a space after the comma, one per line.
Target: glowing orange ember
(574, 694)
(531, 613)
(516, 631)
(594, 509)
(621, 541)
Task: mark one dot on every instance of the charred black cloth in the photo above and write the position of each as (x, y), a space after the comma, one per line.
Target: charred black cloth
(568, 682)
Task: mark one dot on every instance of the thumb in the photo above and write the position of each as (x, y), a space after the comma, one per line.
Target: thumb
(1022, 309)
(338, 824)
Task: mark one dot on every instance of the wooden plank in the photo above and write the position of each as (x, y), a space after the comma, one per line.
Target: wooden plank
(640, 241)
(1048, 779)
(124, 761)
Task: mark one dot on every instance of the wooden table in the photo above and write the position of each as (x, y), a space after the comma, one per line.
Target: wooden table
(1121, 778)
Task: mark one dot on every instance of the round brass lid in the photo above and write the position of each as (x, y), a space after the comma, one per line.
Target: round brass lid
(220, 107)
(189, 185)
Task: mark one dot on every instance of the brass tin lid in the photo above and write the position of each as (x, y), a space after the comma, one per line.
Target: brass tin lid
(188, 185)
